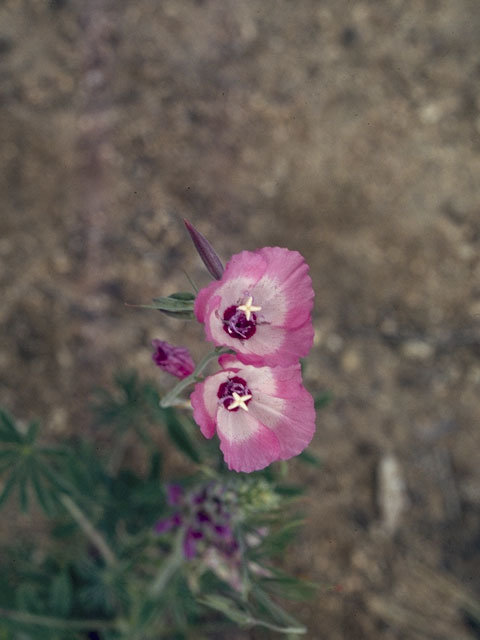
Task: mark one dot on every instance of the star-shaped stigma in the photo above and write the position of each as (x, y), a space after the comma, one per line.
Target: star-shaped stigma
(239, 401)
(248, 308)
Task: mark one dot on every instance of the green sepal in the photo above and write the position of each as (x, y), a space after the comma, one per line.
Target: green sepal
(178, 305)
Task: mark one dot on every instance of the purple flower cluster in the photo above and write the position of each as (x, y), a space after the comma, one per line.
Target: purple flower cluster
(205, 517)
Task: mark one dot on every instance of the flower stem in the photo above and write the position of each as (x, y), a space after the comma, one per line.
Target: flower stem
(168, 568)
(171, 397)
(89, 530)
(24, 617)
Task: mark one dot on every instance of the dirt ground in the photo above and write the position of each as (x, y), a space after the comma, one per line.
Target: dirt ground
(347, 130)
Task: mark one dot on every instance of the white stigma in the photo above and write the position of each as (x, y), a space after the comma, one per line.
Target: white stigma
(239, 401)
(248, 308)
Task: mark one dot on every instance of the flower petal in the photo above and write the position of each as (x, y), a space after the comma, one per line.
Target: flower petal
(205, 402)
(277, 281)
(292, 421)
(247, 445)
(286, 278)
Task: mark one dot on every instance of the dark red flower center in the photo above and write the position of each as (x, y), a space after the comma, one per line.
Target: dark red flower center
(235, 323)
(233, 385)
(159, 355)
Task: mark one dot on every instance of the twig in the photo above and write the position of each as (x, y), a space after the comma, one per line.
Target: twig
(89, 530)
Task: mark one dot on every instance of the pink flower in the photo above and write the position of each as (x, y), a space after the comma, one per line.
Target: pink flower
(174, 360)
(261, 307)
(261, 414)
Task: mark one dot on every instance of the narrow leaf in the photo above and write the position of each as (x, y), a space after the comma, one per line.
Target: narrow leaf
(45, 498)
(61, 594)
(8, 486)
(310, 458)
(228, 607)
(179, 436)
(206, 252)
(322, 399)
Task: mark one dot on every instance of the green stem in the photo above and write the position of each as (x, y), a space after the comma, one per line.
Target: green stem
(170, 398)
(168, 568)
(89, 530)
(55, 623)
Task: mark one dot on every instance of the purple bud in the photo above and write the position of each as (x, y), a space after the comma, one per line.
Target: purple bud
(174, 494)
(206, 252)
(174, 360)
(162, 526)
(223, 530)
(202, 516)
(190, 543)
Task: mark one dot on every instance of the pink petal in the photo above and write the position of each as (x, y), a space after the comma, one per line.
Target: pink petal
(247, 445)
(202, 299)
(205, 403)
(292, 420)
(287, 277)
(278, 281)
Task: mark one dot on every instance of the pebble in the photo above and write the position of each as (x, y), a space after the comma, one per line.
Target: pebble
(417, 350)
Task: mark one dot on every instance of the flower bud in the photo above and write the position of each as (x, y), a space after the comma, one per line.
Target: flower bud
(206, 252)
(174, 360)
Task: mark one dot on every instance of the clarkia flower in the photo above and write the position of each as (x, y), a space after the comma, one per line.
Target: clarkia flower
(261, 307)
(261, 414)
(174, 360)
(205, 517)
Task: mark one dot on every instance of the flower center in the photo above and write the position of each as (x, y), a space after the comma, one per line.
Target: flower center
(240, 321)
(234, 394)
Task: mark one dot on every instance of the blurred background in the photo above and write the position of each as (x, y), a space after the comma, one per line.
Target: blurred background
(349, 131)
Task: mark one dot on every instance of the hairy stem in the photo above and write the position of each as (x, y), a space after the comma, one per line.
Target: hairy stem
(168, 568)
(89, 530)
(171, 397)
(24, 617)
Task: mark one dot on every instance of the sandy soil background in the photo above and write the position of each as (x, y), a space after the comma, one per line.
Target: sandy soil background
(347, 130)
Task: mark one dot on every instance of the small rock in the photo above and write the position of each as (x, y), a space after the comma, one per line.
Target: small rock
(417, 350)
(391, 494)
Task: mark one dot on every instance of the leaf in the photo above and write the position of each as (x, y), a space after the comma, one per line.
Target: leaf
(289, 490)
(228, 607)
(322, 399)
(8, 485)
(206, 252)
(278, 613)
(8, 429)
(276, 541)
(61, 594)
(23, 485)
(44, 497)
(7, 423)
(288, 587)
(32, 432)
(310, 458)
(179, 305)
(179, 436)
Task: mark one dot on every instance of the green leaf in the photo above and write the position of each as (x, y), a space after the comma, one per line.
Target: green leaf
(310, 458)
(288, 587)
(8, 429)
(322, 399)
(179, 436)
(61, 594)
(32, 432)
(179, 305)
(8, 485)
(278, 614)
(23, 486)
(45, 498)
(228, 607)
(289, 490)
(276, 541)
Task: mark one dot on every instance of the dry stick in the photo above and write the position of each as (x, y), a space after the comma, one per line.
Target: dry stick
(89, 530)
